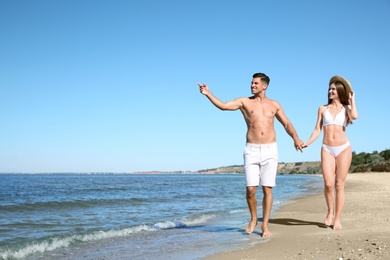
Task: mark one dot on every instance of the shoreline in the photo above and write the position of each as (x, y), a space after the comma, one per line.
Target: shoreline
(298, 231)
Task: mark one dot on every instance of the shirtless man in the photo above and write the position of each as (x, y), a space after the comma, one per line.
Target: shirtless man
(261, 153)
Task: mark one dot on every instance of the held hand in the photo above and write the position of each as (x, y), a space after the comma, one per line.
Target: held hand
(203, 89)
(298, 145)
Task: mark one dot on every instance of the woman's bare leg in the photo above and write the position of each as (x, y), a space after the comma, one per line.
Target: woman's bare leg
(328, 165)
(343, 162)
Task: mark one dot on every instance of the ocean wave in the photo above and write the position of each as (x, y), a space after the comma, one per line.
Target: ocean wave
(75, 204)
(237, 211)
(51, 244)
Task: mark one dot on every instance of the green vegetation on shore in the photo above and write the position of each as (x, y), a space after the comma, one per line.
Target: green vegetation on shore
(371, 162)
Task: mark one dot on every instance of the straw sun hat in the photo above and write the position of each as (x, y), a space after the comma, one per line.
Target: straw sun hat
(342, 80)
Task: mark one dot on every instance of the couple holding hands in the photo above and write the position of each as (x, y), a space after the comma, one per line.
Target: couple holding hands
(261, 152)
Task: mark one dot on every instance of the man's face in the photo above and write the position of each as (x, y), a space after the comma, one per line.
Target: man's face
(257, 86)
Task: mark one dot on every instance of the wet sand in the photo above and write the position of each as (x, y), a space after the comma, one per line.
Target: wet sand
(298, 231)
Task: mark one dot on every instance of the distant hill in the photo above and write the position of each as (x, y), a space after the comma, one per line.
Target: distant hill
(303, 168)
(224, 169)
(300, 168)
(283, 168)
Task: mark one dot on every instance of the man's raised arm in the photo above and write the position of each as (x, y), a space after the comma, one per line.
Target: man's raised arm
(230, 105)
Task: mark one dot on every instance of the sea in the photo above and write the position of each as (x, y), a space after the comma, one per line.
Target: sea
(132, 216)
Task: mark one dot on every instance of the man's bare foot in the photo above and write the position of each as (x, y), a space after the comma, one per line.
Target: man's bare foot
(337, 225)
(328, 219)
(251, 227)
(266, 232)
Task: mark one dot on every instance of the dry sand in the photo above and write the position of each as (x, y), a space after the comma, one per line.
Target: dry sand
(299, 233)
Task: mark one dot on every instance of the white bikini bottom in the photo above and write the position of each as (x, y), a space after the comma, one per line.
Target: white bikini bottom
(335, 150)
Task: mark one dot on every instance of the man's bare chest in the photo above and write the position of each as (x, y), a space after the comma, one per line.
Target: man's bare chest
(260, 111)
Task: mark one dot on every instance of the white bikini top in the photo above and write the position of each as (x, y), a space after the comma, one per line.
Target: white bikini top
(340, 118)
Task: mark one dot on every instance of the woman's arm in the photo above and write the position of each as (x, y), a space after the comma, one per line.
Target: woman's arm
(317, 129)
(353, 113)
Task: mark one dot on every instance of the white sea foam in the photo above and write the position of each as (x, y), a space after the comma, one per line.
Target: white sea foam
(184, 222)
(237, 211)
(56, 243)
(198, 220)
(167, 225)
(40, 247)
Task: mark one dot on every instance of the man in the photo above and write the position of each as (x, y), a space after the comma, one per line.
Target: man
(261, 154)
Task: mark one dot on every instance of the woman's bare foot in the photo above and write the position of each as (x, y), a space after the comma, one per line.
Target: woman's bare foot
(337, 225)
(328, 219)
(251, 227)
(266, 232)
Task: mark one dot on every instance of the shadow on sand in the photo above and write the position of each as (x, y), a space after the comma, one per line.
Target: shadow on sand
(296, 222)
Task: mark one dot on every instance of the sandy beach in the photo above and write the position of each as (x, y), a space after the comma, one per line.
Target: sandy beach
(299, 233)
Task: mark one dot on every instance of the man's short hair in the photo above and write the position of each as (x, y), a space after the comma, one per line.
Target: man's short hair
(262, 77)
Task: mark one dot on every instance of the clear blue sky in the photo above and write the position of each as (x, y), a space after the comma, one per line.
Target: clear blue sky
(110, 86)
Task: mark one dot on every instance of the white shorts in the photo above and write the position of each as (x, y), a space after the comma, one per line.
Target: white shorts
(261, 163)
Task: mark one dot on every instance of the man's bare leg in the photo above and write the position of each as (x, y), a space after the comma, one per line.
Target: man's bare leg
(267, 206)
(252, 205)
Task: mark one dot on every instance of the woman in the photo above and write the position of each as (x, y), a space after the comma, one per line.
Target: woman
(336, 152)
